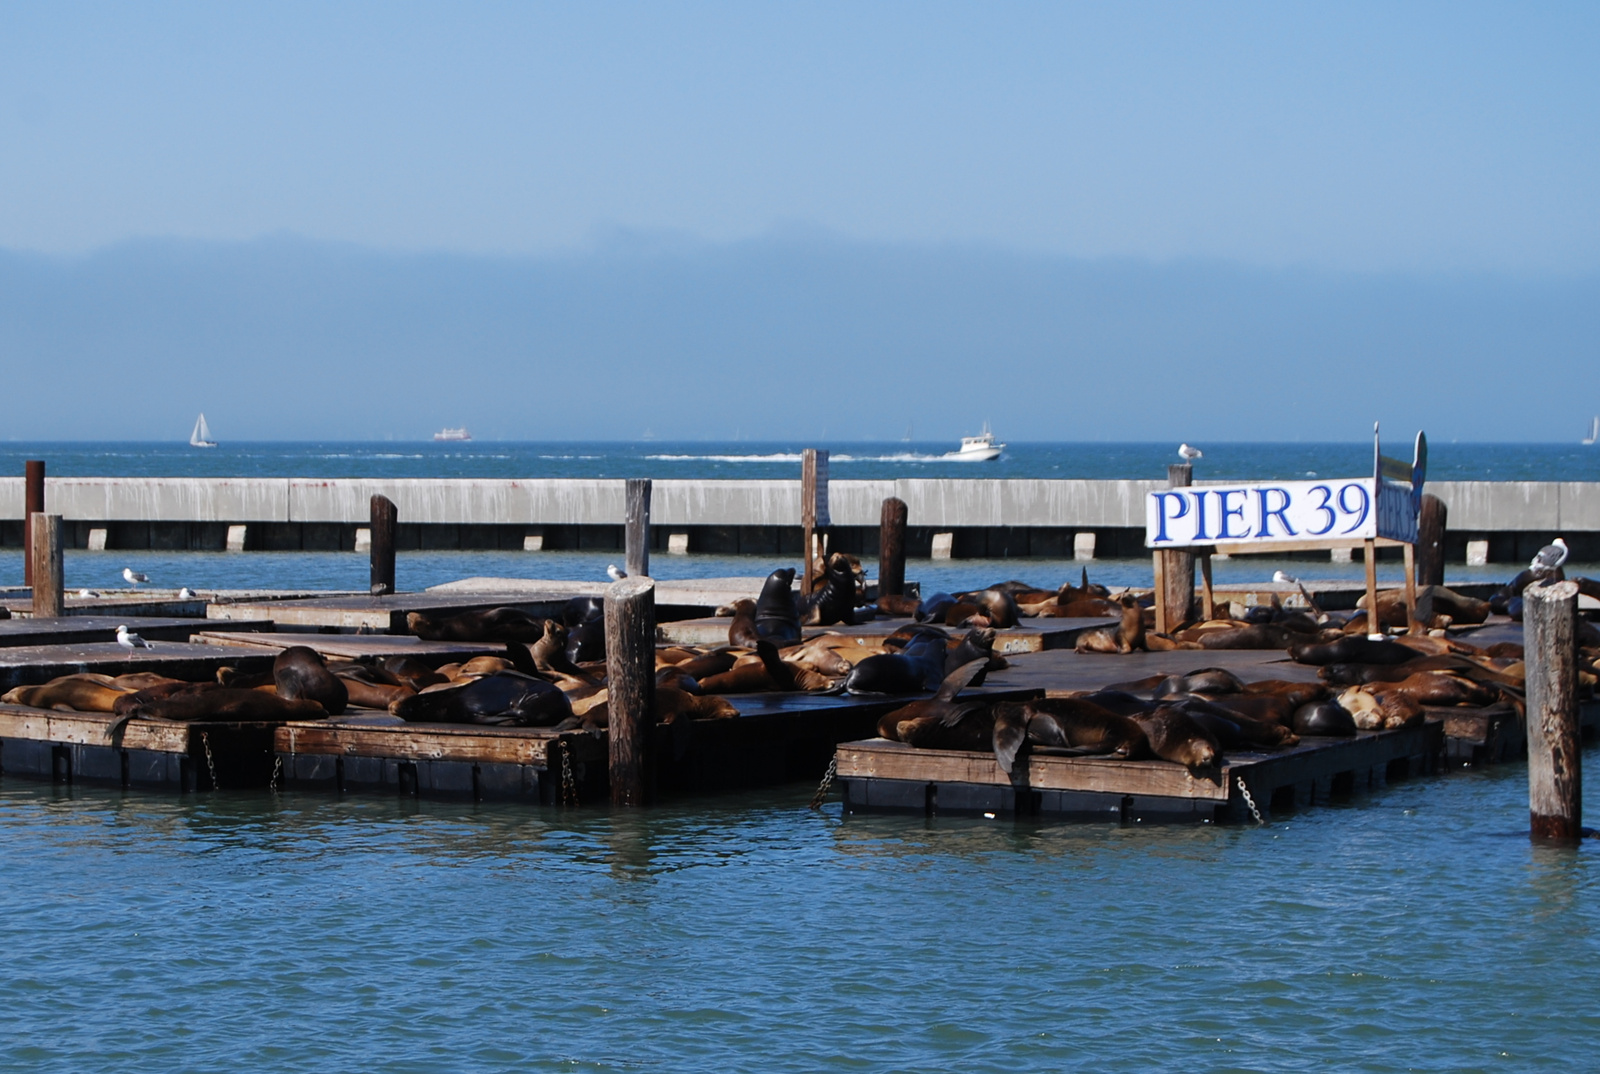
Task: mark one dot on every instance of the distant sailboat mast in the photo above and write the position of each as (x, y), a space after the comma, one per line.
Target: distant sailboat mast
(201, 437)
(1594, 432)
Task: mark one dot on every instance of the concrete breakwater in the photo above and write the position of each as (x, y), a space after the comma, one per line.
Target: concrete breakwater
(982, 517)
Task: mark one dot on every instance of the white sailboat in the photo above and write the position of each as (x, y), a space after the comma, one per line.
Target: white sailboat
(1594, 432)
(201, 437)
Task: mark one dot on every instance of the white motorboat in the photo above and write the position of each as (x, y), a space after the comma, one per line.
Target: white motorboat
(201, 437)
(980, 448)
(452, 434)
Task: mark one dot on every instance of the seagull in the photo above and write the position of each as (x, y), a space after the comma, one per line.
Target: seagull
(1284, 579)
(87, 593)
(1189, 454)
(131, 642)
(185, 593)
(133, 577)
(617, 573)
(1550, 558)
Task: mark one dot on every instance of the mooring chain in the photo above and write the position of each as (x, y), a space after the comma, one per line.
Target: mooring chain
(569, 786)
(827, 781)
(205, 740)
(277, 769)
(1249, 801)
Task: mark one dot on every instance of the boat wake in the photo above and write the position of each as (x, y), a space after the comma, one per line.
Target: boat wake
(903, 456)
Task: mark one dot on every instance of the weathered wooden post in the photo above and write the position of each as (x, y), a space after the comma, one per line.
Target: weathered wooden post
(637, 527)
(33, 503)
(1430, 540)
(813, 509)
(385, 519)
(892, 548)
(631, 678)
(1175, 571)
(1555, 753)
(44, 557)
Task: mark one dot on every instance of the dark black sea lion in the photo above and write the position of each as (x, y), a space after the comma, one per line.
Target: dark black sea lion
(835, 600)
(1323, 718)
(587, 641)
(776, 616)
(934, 606)
(916, 668)
(300, 674)
(1351, 649)
(506, 698)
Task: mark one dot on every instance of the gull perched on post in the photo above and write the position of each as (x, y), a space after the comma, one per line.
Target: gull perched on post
(133, 577)
(1549, 559)
(617, 573)
(131, 642)
(1189, 454)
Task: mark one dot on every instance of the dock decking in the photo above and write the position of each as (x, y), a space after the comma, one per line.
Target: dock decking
(1029, 636)
(77, 629)
(30, 665)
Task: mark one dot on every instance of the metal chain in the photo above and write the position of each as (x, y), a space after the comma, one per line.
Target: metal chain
(1249, 801)
(569, 786)
(277, 769)
(827, 781)
(205, 740)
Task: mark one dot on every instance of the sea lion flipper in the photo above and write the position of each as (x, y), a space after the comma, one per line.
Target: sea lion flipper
(959, 679)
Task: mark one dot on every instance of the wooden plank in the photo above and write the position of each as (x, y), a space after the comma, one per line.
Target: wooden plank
(75, 629)
(117, 604)
(383, 613)
(418, 741)
(354, 646)
(93, 729)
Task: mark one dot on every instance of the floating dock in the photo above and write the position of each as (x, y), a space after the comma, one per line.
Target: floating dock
(1028, 636)
(31, 665)
(77, 629)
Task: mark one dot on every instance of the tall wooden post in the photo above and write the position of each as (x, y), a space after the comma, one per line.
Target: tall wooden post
(636, 527)
(1369, 552)
(1175, 590)
(33, 503)
(385, 519)
(44, 556)
(1431, 522)
(631, 682)
(892, 548)
(1555, 753)
(813, 509)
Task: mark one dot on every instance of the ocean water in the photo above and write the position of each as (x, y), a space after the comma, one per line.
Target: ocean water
(1411, 929)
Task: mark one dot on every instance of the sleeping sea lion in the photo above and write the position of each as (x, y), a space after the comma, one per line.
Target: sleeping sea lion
(370, 687)
(998, 606)
(74, 693)
(916, 668)
(217, 702)
(1177, 738)
(933, 607)
(300, 674)
(506, 698)
(1074, 723)
(1204, 681)
(939, 706)
(1351, 649)
(1323, 718)
(495, 624)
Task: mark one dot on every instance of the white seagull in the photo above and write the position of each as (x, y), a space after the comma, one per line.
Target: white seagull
(131, 642)
(1284, 579)
(87, 593)
(185, 593)
(1550, 558)
(133, 577)
(617, 573)
(1189, 454)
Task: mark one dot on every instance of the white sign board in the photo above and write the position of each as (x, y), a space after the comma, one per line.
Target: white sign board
(1268, 512)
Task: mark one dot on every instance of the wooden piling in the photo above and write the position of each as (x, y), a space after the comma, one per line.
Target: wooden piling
(1430, 540)
(892, 548)
(1369, 553)
(33, 503)
(631, 681)
(1175, 589)
(637, 527)
(813, 510)
(385, 519)
(1555, 752)
(44, 561)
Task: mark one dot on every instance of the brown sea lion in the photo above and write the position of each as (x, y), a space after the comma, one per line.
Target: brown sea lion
(742, 631)
(549, 653)
(998, 606)
(72, 693)
(413, 672)
(1073, 723)
(217, 702)
(300, 674)
(1177, 738)
(506, 698)
(140, 680)
(1297, 693)
(1207, 681)
(712, 663)
(1351, 649)
(495, 624)
(1124, 638)
(940, 706)
(369, 687)
(1434, 688)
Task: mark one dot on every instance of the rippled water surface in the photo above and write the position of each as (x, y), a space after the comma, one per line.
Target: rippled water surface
(1414, 928)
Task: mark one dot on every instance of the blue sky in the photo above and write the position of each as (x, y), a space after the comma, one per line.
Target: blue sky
(1409, 189)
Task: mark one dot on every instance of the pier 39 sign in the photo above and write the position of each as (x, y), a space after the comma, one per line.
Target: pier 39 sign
(1271, 512)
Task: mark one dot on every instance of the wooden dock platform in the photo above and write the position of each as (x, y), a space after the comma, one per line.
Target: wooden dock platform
(385, 614)
(78, 747)
(1029, 636)
(881, 776)
(76, 629)
(120, 605)
(353, 646)
(30, 665)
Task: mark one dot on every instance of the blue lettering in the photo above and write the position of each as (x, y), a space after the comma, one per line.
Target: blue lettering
(1161, 512)
(1200, 533)
(1268, 513)
(1229, 512)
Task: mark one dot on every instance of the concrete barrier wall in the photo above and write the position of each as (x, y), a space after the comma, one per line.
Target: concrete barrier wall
(1545, 506)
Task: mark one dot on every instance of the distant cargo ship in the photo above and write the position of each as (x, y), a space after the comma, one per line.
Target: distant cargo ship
(452, 434)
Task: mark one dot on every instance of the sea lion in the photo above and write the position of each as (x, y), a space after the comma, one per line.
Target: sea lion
(975, 644)
(139, 680)
(217, 702)
(1254, 636)
(1118, 701)
(1177, 738)
(1325, 719)
(933, 607)
(835, 600)
(776, 615)
(1435, 688)
(1073, 723)
(412, 672)
(495, 624)
(1372, 713)
(897, 605)
(940, 706)
(998, 606)
(1124, 638)
(1205, 681)
(366, 686)
(671, 705)
(742, 633)
(586, 642)
(300, 674)
(1296, 693)
(1247, 726)
(506, 698)
(1351, 649)
(72, 693)
(712, 663)
(917, 667)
